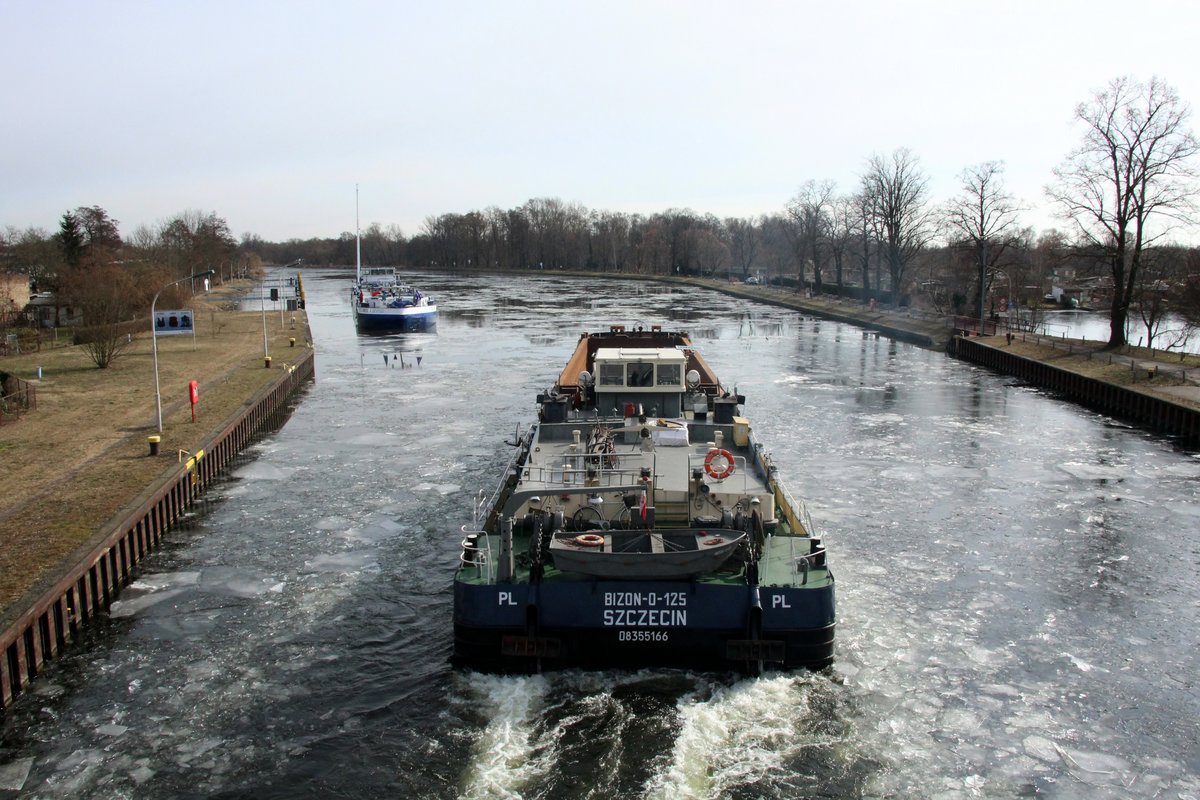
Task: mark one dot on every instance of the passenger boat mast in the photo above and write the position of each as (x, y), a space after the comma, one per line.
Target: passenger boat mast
(357, 242)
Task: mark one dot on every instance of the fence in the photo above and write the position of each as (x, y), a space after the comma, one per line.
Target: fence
(16, 396)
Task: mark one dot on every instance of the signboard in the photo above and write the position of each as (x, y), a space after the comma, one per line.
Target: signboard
(171, 322)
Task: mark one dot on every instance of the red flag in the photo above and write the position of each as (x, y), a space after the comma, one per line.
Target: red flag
(643, 506)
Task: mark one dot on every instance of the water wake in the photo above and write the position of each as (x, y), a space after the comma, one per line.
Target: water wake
(653, 735)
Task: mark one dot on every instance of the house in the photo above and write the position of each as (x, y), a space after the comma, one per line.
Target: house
(47, 313)
(14, 296)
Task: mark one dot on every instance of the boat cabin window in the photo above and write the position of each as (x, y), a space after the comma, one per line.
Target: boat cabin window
(640, 375)
(645, 369)
(669, 374)
(612, 374)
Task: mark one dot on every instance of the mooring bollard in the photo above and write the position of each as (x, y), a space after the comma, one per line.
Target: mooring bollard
(267, 362)
(154, 440)
(292, 341)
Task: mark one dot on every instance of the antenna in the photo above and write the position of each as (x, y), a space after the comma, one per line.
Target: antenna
(357, 241)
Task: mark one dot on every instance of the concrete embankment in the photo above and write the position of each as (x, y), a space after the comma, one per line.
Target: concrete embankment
(1161, 414)
(925, 330)
(1173, 410)
(56, 609)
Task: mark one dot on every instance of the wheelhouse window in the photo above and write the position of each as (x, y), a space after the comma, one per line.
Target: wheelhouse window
(669, 375)
(612, 375)
(640, 375)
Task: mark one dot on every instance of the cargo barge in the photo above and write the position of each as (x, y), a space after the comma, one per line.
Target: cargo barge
(641, 523)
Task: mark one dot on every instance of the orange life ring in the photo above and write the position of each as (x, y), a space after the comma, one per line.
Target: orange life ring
(589, 540)
(713, 541)
(708, 464)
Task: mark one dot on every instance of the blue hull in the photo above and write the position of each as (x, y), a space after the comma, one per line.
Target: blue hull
(692, 625)
(407, 323)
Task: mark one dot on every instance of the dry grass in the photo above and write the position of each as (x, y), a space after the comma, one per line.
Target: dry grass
(69, 466)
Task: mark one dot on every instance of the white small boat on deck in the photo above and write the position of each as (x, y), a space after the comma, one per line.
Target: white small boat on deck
(631, 554)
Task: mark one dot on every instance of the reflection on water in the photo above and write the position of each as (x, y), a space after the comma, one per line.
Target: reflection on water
(1017, 611)
(1096, 327)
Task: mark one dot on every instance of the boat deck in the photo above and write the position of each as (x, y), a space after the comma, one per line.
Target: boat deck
(556, 478)
(559, 462)
(781, 564)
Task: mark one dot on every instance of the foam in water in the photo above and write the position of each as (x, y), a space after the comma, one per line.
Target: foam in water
(504, 758)
(739, 736)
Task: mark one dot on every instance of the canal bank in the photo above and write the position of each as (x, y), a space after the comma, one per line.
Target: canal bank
(1151, 389)
(70, 536)
(905, 324)
(1154, 394)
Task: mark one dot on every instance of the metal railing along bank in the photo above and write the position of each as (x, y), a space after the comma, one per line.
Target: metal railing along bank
(57, 616)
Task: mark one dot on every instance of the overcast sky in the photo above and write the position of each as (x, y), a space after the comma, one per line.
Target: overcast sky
(269, 113)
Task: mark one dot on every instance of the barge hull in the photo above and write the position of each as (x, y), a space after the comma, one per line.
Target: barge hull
(395, 323)
(522, 627)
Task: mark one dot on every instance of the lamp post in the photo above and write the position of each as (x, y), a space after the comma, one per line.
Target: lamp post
(262, 304)
(154, 340)
(983, 248)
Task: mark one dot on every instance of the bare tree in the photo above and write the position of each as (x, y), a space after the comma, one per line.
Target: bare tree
(708, 252)
(1152, 299)
(109, 305)
(898, 192)
(1161, 300)
(1129, 181)
(775, 249)
(743, 243)
(841, 231)
(982, 216)
(1185, 294)
(866, 230)
(809, 211)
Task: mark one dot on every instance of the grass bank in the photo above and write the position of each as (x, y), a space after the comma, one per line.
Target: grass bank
(67, 467)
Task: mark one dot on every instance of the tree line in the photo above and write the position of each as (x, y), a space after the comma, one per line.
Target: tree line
(104, 284)
(1123, 192)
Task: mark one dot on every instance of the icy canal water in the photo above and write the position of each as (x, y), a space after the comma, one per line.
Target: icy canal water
(1017, 611)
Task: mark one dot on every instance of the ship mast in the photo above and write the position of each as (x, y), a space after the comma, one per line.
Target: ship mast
(357, 242)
